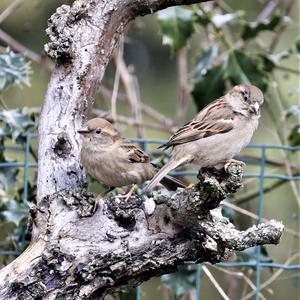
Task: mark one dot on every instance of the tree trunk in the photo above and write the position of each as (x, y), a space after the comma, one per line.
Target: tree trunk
(76, 253)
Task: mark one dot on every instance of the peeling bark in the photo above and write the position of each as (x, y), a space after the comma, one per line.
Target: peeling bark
(77, 253)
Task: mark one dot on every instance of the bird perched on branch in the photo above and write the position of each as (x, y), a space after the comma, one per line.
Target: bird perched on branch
(217, 133)
(114, 160)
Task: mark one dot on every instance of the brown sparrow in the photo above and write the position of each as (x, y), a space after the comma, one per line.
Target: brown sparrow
(217, 133)
(114, 160)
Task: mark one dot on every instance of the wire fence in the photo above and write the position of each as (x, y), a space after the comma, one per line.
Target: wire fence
(258, 264)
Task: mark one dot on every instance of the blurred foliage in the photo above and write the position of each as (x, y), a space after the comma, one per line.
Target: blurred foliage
(252, 29)
(14, 123)
(177, 25)
(128, 293)
(294, 136)
(181, 282)
(234, 55)
(13, 69)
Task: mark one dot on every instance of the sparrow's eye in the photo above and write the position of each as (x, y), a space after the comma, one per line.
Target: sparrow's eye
(245, 95)
(98, 130)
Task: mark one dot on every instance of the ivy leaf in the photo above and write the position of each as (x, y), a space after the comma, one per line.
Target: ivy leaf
(281, 55)
(13, 69)
(297, 43)
(8, 177)
(15, 122)
(220, 20)
(268, 62)
(177, 25)
(252, 29)
(202, 19)
(241, 68)
(15, 211)
(208, 86)
(182, 282)
(294, 110)
(206, 61)
(294, 136)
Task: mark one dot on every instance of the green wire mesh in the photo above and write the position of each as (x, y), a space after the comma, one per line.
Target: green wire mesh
(262, 175)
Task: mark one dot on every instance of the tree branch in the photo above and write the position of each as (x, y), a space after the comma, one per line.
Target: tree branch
(83, 256)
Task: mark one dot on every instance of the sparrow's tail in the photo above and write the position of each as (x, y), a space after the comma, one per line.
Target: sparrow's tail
(171, 183)
(159, 176)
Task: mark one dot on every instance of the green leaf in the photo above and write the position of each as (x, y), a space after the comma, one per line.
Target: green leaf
(241, 68)
(8, 177)
(177, 25)
(221, 20)
(281, 55)
(182, 282)
(294, 110)
(206, 61)
(294, 136)
(208, 86)
(15, 211)
(201, 18)
(15, 123)
(268, 62)
(297, 43)
(13, 69)
(252, 29)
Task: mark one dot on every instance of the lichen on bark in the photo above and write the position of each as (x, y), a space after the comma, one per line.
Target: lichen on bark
(87, 252)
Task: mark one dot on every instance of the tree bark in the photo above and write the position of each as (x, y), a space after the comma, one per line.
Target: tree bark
(81, 255)
(76, 253)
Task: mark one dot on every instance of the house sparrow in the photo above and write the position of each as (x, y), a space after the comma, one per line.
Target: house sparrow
(217, 133)
(114, 160)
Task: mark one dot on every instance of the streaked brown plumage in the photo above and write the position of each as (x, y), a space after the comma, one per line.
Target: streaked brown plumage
(217, 133)
(114, 160)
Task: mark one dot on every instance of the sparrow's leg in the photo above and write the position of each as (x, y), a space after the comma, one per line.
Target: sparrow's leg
(128, 195)
(100, 196)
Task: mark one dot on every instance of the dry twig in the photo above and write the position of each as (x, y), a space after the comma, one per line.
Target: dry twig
(215, 283)
(10, 9)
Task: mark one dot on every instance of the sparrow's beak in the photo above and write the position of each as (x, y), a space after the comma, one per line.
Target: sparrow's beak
(254, 108)
(83, 130)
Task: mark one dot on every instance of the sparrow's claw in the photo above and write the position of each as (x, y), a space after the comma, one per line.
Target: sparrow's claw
(99, 198)
(96, 203)
(128, 195)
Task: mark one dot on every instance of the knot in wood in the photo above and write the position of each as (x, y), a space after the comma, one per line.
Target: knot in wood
(62, 147)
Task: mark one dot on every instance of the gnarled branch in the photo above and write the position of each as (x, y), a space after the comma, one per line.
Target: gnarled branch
(81, 255)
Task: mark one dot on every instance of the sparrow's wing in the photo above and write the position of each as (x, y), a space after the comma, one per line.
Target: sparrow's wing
(134, 154)
(216, 118)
